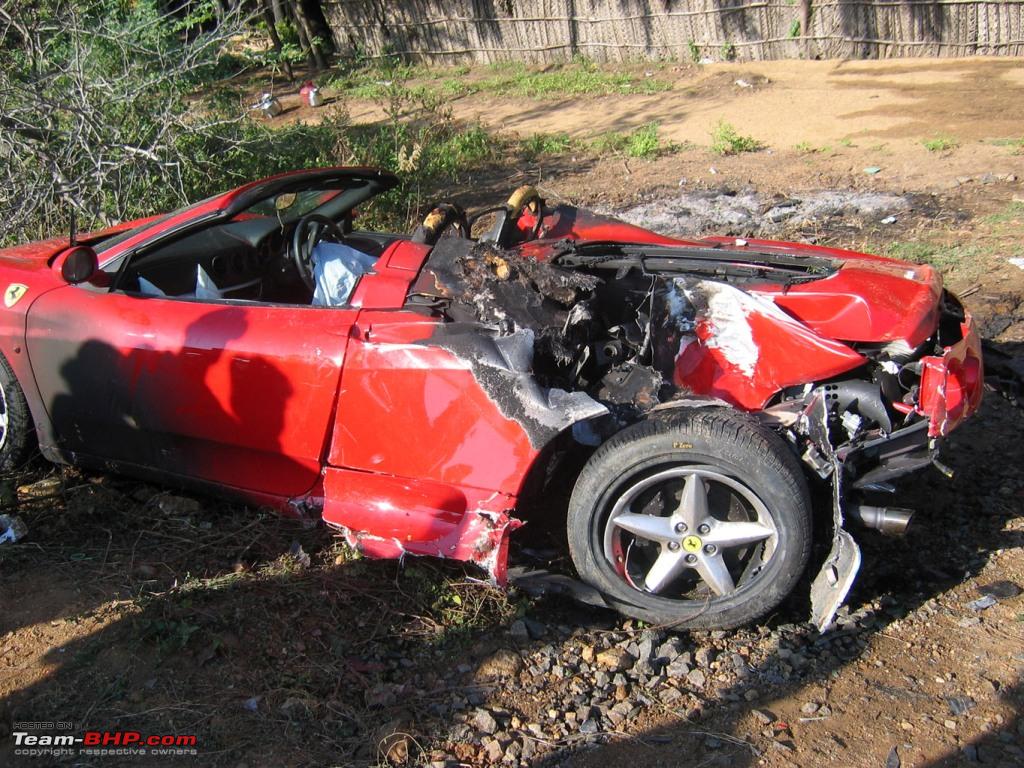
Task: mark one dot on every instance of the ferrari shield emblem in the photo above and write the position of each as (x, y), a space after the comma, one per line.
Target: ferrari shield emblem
(14, 293)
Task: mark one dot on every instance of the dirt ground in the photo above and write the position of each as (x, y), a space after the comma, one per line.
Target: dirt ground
(131, 606)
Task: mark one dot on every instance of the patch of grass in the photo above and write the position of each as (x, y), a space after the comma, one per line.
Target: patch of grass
(579, 78)
(940, 144)
(609, 143)
(847, 142)
(806, 148)
(942, 257)
(1013, 212)
(1016, 145)
(694, 51)
(642, 142)
(540, 144)
(725, 140)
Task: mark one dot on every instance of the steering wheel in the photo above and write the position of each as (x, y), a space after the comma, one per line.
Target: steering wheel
(441, 217)
(523, 199)
(310, 230)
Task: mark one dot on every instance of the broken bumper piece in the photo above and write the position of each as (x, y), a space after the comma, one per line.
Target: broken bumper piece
(390, 517)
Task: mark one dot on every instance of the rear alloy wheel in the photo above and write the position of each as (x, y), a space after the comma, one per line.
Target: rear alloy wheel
(17, 437)
(699, 520)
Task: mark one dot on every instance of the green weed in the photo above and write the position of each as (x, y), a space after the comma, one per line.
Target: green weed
(940, 144)
(725, 140)
(540, 144)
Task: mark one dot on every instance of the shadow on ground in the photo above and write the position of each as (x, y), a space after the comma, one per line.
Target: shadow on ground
(134, 608)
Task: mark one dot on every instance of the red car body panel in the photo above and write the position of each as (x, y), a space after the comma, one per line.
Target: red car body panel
(440, 425)
(744, 351)
(238, 395)
(386, 516)
(952, 384)
(354, 410)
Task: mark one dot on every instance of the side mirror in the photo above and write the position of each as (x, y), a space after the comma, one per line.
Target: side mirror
(76, 264)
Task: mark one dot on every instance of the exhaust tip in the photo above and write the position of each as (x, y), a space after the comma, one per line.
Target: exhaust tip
(890, 521)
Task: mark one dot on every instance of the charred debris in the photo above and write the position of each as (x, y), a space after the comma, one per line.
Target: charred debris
(604, 319)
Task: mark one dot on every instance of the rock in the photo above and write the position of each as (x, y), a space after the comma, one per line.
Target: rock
(616, 659)
(501, 664)
(642, 670)
(512, 753)
(621, 693)
(589, 726)
(680, 666)
(960, 705)
(752, 695)
(670, 695)
(535, 629)
(529, 749)
(601, 679)
(178, 505)
(810, 708)
(982, 603)
(712, 743)
(519, 631)
(1001, 590)
(587, 653)
(645, 649)
(893, 760)
(763, 716)
(696, 678)
(493, 751)
(704, 657)
(484, 721)
(670, 649)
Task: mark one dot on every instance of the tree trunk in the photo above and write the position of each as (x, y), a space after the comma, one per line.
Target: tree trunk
(275, 41)
(277, 6)
(805, 26)
(307, 36)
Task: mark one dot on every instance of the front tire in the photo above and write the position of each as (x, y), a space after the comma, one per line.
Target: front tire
(17, 436)
(701, 519)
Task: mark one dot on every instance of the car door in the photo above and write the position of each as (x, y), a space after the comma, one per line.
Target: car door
(236, 393)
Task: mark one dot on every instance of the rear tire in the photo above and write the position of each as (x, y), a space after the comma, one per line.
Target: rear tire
(17, 435)
(701, 519)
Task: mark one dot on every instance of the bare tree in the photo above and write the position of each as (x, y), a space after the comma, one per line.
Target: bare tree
(95, 106)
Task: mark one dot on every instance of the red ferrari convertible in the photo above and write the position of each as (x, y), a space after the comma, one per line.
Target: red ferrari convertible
(424, 393)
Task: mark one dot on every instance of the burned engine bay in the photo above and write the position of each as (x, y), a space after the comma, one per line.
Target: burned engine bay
(614, 320)
(621, 330)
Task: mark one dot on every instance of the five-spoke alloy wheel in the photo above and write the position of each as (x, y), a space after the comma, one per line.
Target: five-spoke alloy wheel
(701, 520)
